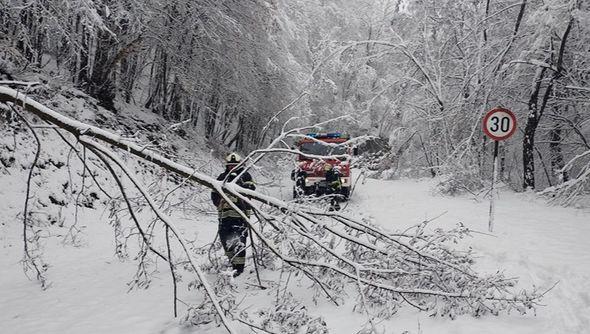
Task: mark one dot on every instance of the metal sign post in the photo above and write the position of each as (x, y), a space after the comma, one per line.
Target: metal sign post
(493, 193)
(498, 124)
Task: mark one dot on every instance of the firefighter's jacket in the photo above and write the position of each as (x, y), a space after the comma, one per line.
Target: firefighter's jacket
(224, 209)
(333, 179)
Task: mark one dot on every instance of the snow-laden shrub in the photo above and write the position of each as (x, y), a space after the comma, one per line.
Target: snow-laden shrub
(10, 60)
(457, 179)
(205, 313)
(574, 191)
(371, 161)
(290, 316)
(200, 315)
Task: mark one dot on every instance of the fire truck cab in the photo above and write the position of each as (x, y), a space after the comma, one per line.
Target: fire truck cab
(310, 175)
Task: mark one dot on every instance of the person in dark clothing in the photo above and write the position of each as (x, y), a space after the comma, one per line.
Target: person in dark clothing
(233, 229)
(334, 185)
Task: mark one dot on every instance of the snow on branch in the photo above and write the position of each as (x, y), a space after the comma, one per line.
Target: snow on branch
(568, 192)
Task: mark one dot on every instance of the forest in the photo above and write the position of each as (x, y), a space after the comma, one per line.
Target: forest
(419, 74)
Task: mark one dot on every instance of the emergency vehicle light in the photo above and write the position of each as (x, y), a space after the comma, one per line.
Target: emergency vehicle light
(326, 135)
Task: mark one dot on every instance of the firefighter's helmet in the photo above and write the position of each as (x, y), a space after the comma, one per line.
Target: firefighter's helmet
(327, 167)
(233, 159)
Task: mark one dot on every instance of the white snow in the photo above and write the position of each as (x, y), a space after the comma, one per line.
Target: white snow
(540, 244)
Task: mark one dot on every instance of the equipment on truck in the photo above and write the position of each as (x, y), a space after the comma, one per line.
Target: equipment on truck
(320, 150)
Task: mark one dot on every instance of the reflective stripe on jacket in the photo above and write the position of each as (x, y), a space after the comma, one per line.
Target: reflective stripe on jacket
(225, 209)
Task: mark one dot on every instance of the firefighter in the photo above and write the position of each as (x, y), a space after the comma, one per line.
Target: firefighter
(334, 185)
(233, 229)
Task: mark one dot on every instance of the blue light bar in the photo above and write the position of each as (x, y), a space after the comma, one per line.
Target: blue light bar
(326, 135)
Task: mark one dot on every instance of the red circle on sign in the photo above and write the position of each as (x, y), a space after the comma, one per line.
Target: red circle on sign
(499, 135)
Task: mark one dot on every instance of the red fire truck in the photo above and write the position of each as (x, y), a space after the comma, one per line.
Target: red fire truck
(310, 175)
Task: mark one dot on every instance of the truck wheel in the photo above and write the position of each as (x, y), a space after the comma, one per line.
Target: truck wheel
(298, 192)
(345, 193)
(299, 187)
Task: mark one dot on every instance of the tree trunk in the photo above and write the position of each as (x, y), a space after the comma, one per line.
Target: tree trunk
(557, 161)
(211, 115)
(528, 150)
(536, 111)
(158, 82)
(129, 66)
(528, 141)
(101, 85)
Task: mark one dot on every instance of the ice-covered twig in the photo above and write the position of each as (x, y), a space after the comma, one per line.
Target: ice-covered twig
(31, 261)
(567, 192)
(175, 126)
(117, 179)
(274, 117)
(77, 152)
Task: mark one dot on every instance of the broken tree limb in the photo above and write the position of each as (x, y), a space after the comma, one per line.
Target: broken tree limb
(418, 265)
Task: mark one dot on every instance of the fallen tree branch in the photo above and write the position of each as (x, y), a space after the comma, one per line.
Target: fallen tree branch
(330, 249)
(31, 261)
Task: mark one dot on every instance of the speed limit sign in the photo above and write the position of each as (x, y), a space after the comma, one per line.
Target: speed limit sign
(499, 124)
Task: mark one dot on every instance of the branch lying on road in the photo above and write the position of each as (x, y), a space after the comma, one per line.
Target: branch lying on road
(334, 250)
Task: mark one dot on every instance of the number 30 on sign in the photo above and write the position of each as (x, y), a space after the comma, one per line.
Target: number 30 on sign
(499, 124)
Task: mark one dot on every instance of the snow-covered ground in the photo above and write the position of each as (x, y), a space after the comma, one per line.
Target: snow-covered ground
(540, 244)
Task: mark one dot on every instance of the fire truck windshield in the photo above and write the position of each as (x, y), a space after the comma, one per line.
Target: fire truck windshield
(320, 149)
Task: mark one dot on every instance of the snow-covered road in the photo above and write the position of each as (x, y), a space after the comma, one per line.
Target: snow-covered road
(540, 244)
